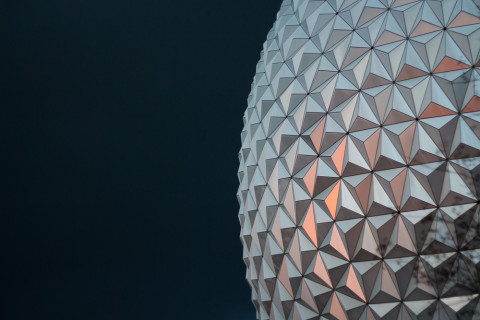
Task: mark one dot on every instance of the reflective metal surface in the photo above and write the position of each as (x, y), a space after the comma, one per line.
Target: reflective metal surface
(360, 162)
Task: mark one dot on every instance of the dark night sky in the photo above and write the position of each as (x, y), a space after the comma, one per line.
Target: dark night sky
(120, 129)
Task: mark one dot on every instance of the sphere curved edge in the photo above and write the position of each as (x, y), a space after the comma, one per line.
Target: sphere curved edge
(360, 162)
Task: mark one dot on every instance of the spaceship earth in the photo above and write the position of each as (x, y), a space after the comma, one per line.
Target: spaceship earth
(360, 162)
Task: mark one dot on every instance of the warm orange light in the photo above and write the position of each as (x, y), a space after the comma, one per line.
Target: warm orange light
(353, 284)
(309, 225)
(310, 177)
(449, 64)
(321, 271)
(339, 155)
(332, 200)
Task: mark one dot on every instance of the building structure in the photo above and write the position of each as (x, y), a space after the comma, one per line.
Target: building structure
(360, 162)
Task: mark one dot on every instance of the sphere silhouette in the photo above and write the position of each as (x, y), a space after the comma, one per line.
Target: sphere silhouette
(360, 162)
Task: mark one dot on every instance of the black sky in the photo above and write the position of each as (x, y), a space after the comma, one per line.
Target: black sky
(119, 135)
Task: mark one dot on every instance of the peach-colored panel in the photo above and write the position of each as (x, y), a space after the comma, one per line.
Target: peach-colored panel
(337, 243)
(399, 3)
(464, 19)
(449, 64)
(309, 225)
(424, 28)
(374, 81)
(363, 191)
(473, 105)
(398, 184)
(321, 271)
(339, 155)
(340, 96)
(276, 301)
(310, 177)
(276, 231)
(368, 14)
(294, 251)
(336, 308)
(404, 239)
(371, 145)
(388, 285)
(353, 54)
(307, 297)
(406, 139)
(317, 134)
(388, 37)
(332, 200)
(435, 110)
(368, 240)
(289, 203)
(409, 72)
(370, 315)
(353, 284)
(381, 101)
(284, 278)
(296, 313)
(395, 116)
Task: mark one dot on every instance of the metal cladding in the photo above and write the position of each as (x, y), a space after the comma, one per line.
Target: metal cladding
(360, 162)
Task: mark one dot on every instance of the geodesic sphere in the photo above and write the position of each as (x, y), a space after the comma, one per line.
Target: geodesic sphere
(360, 161)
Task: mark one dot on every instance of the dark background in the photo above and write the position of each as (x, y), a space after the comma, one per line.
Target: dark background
(119, 135)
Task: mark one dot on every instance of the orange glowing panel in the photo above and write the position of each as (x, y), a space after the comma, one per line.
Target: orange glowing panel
(435, 110)
(449, 64)
(339, 155)
(309, 225)
(337, 243)
(354, 285)
(473, 105)
(310, 177)
(332, 200)
(336, 308)
(406, 140)
(363, 192)
(409, 72)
